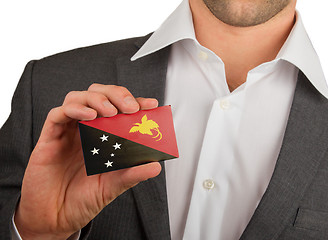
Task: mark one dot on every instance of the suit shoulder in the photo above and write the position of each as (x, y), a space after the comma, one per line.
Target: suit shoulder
(96, 53)
(54, 76)
(80, 66)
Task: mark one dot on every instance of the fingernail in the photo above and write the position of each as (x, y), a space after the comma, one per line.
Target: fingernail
(110, 109)
(91, 113)
(130, 101)
(89, 110)
(107, 104)
(153, 102)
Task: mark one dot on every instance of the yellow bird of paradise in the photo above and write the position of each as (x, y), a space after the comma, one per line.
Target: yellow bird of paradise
(146, 126)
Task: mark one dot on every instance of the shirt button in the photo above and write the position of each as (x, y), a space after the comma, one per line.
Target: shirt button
(208, 184)
(224, 104)
(203, 55)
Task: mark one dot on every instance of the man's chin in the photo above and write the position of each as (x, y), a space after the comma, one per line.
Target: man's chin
(239, 13)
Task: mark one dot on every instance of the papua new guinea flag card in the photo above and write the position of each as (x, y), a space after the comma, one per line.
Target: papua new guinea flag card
(128, 140)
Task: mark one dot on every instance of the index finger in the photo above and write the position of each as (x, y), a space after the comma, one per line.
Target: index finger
(119, 96)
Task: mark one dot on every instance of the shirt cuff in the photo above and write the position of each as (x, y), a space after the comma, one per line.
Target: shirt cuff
(16, 236)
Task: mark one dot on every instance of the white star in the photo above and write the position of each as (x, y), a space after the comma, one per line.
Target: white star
(104, 138)
(117, 146)
(112, 154)
(95, 151)
(109, 164)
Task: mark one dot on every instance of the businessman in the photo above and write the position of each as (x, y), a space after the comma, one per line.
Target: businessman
(250, 110)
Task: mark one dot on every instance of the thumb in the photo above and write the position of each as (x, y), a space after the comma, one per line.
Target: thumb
(117, 182)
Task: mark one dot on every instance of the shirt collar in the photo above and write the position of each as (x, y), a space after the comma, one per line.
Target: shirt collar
(297, 49)
(176, 27)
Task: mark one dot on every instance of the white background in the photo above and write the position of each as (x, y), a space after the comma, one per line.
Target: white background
(37, 28)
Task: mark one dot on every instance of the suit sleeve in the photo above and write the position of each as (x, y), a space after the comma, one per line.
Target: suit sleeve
(16, 145)
(15, 149)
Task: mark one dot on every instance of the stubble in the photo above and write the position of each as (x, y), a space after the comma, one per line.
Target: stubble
(245, 13)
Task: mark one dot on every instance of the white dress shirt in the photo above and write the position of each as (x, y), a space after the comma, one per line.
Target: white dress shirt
(228, 141)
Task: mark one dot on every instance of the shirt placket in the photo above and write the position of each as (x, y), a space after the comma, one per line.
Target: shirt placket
(210, 188)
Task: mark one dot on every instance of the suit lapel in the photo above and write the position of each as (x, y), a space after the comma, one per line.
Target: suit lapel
(303, 148)
(146, 77)
(151, 200)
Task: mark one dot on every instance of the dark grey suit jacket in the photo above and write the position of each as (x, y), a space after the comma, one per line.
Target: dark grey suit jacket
(295, 205)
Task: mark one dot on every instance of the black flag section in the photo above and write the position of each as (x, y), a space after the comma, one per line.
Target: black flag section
(105, 152)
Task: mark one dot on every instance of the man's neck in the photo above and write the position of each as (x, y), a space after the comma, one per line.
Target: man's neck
(241, 48)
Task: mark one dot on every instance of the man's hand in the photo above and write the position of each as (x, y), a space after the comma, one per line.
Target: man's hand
(57, 197)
